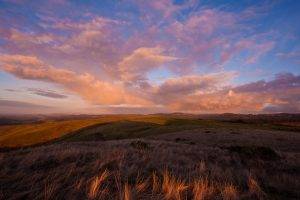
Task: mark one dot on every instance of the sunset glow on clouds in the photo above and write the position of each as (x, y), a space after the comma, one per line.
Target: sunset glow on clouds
(149, 56)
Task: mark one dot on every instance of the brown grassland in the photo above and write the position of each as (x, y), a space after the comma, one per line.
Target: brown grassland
(150, 157)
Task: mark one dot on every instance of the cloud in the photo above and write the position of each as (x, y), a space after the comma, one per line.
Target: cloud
(180, 87)
(20, 60)
(282, 81)
(96, 23)
(11, 90)
(292, 55)
(282, 93)
(27, 38)
(22, 107)
(47, 93)
(142, 60)
(204, 38)
(165, 7)
(192, 93)
(209, 32)
(219, 102)
(282, 108)
(107, 60)
(11, 103)
(93, 40)
(85, 85)
(255, 50)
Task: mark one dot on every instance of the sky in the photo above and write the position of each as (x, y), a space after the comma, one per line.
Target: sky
(140, 56)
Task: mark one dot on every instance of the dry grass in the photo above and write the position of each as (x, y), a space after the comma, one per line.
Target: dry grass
(49, 191)
(29, 134)
(127, 192)
(155, 183)
(157, 168)
(141, 185)
(173, 187)
(255, 189)
(35, 133)
(202, 189)
(96, 184)
(230, 192)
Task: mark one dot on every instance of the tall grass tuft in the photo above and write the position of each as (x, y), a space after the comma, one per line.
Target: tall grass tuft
(172, 187)
(254, 188)
(49, 191)
(229, 192)
(202, 189)
(141, 185)
(127, 192)
(155, 183)
(96, 183)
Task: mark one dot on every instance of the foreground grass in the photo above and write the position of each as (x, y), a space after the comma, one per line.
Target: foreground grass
(148, 169)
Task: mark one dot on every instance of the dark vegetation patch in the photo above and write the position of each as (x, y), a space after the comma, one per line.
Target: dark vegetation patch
(109, 131)
(140, 145)
(84, 159)
(131, 129)
(70, 159)
(184, 141)
(44, 163)
(180, 140)
(111, 166)
(261, 152)
(275, 193)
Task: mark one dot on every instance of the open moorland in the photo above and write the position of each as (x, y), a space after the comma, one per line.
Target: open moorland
(162, 156)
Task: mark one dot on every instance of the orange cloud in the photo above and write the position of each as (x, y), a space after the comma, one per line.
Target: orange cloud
(280, 95)
(85, 85)
(192, 93)
(221, 101)
(179, 88)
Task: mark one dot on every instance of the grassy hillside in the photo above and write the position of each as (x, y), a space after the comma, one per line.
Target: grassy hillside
(116, 127)
(35, 133)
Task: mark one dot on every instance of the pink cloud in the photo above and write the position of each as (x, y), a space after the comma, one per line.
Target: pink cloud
(165, 9)
(193, 93)
(142, 60)
(253, 97)
(219, 102)
(20, 37)
(85, 85)
(255, 50)
(97, 42)
(178, 88)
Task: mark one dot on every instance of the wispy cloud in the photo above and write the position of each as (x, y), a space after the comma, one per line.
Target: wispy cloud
(11, 103)
(47, 93)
